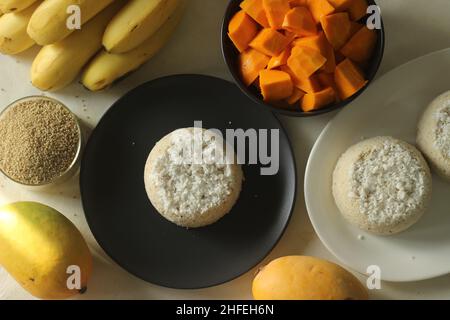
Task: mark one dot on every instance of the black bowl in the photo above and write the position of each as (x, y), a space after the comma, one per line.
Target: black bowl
(230, 54)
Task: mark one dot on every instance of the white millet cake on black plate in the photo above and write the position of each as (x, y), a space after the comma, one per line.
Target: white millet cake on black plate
(188, 192)
(382, 185)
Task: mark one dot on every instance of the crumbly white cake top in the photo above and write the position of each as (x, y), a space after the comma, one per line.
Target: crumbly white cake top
(187, 186)
(442, 132)
(389, 183)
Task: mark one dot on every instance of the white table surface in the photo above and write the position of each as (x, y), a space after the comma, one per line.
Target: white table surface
(413, 28)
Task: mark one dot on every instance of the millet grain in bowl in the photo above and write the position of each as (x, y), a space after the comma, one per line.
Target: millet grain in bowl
(40, 139)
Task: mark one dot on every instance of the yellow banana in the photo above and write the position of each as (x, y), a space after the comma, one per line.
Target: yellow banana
(107, 67)
(138, 20)
(58, 64)
(49, 23)
(13, 31)
(15, 5)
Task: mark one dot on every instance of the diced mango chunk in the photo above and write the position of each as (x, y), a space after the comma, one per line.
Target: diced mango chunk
(300, 21)
(251, 62)
(279, 60)
(319, 43)
(357, 9)
(275, 12)
(242, 30)
(320, 8)
(360, 47)
(296, 96)
(305, 61)
(337, 28)
(309, 85)
(270, 42)
(317, 100)
(275, 85)
(349, 79)
(254, 8)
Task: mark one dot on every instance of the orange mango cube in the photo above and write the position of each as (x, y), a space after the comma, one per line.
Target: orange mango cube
(269, 42)
(305, 61)
(275, 85)
(241, 30)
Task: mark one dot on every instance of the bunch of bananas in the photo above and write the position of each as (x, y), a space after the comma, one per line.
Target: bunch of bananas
(116, 37)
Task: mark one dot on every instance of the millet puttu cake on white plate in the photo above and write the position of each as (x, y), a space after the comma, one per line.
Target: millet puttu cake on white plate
(382, 185)
(433, 137)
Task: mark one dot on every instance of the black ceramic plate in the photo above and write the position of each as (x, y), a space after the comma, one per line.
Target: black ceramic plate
(122, 218)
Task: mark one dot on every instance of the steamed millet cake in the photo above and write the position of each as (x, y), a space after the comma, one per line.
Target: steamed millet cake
(187, 192)
(382, 185)
(433, 137)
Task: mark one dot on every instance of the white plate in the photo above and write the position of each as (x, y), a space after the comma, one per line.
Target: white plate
(391, 106)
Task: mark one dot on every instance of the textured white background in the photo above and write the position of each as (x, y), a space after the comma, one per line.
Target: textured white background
(413, 28)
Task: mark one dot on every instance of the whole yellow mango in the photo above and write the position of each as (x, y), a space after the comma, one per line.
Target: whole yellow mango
(43, 251)
(306, 278)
